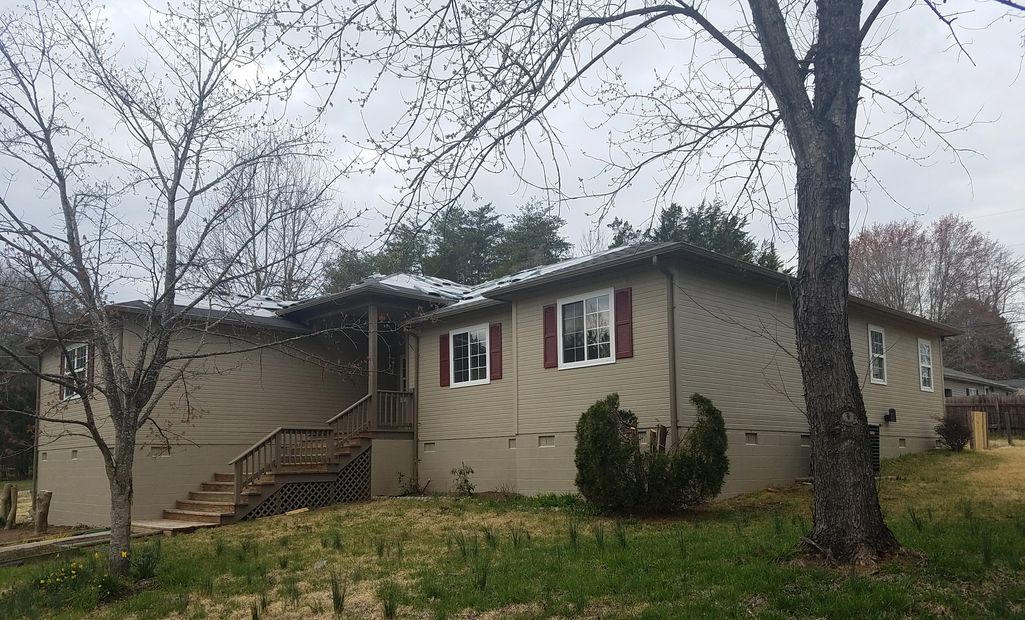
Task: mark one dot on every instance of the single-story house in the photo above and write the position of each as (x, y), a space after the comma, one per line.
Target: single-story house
(412, 375)
(958, 383)
(1017, 384)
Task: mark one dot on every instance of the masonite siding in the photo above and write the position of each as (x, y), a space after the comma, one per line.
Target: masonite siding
(552, 400)
(474, 411)
(236, 400)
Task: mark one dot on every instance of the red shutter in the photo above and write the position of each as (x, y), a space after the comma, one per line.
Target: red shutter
(443, 359)
(495, 350)
(551, 336)
(624, 323)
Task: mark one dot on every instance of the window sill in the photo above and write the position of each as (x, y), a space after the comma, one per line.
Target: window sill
(463, 384)
(928, 389)
(588, 363)
(878, 381)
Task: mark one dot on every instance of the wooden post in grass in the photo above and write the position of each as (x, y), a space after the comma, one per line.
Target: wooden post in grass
(12, 516)
(5, 501)
(43, 511)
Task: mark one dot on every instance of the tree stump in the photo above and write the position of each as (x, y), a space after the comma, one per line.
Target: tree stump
(43, 511)
(12, 516)
(5, 502)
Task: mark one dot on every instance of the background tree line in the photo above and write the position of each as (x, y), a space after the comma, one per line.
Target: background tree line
(948, 271)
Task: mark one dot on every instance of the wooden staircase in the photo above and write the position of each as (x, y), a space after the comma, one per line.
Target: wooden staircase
(297, 467)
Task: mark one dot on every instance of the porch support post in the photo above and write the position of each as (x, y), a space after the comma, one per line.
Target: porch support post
(372, 363)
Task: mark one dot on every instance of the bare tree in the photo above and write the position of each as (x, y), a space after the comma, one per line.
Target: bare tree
(283, 224)
(137, 163)
(488, 75)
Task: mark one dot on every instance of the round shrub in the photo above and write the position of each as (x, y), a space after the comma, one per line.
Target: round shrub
(615, 476)
(954, 431)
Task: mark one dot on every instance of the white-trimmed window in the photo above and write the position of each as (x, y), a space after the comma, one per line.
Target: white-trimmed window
(925, 379)
(972, 391)
(877, 354)
(586, 337)
(470, 360)
(76, 362)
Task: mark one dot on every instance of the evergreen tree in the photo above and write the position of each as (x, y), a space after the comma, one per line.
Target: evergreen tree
(464, 245)
(769, 258)
(623, 233)
(533, 239)
(714, 228)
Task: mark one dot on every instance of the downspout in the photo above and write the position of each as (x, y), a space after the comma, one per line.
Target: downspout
(416, 405)
(674, 423)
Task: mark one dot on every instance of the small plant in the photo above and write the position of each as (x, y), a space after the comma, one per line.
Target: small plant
(254, 612)
(777, 524)
(409, 485)
(967, 511)
(219, 547)
(337, 594)
(461, 485)
(574, 534)
(289, 591)
(620, 533)
(465, 546)
(380, 546)
(916, 520)
(681, 544)
(490, 535)
(481, 572)
(333, 540)
(264, 601)
(599, 534)
(954, 431)
(390, 596)
(517, 536)
(206, 585)
(282, 562)
(986, 546)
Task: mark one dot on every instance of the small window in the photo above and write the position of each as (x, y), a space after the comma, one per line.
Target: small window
(545, 441)
(925, 365)
(470, 363)
(512, 443)
(585, 330)
(429, 447)
(74, 455)
(76, 363)
(877, 353)
(751, 439)
(972, 391)
(902, 443)
(805, 441)
(948, 392)
(43, 456)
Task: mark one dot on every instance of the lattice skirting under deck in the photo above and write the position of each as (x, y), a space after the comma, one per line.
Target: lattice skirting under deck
(351, 485)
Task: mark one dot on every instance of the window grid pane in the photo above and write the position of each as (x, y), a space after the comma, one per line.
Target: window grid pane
(586, 332)
(470, 355)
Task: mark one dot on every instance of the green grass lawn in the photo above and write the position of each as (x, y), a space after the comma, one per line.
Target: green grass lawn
(545, 557)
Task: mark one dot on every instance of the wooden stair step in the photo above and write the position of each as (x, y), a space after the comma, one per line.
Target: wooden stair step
(178, 514)
(226, 497)
(205, 506)
(224, 477)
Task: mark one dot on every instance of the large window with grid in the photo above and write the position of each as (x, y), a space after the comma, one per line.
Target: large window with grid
(877, 354)
(76, 363)
(585, 330)
(470, 363)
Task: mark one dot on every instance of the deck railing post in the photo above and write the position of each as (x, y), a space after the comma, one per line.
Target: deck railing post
(238, 481)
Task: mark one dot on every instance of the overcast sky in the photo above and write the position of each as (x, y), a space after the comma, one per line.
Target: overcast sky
(992, 90)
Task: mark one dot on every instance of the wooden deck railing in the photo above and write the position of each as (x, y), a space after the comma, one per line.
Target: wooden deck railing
(318, 445)
(394, 410)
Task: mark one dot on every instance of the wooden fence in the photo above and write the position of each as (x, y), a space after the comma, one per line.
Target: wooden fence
(1006, 412)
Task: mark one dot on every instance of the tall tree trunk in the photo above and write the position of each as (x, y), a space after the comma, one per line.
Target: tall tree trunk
(121, 497)
(847, 520)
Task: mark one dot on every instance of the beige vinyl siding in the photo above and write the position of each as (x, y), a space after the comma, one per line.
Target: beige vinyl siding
(551, 400)
(917, 410)
(735, 345)
(471, 411)
(223, 405)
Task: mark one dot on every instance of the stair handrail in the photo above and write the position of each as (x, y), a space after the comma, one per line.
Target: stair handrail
(264, 455)
(353, 420)
(348, 410)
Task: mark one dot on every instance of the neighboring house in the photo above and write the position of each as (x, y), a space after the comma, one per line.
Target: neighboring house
(496, 376)
(1017, 384)
(957, 383)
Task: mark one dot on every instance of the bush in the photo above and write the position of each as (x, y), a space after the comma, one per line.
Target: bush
(954, 431)
(615, 476)
(461, 485)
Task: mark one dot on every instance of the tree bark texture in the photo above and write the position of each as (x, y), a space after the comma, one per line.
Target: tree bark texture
(122, 492)
(42, 517)
(5, 501)
(848, 523)
(12, 515)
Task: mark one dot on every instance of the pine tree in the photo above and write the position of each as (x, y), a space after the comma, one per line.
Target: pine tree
(533, 239)
(623, 233)
(464, 245)
(769, 258)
